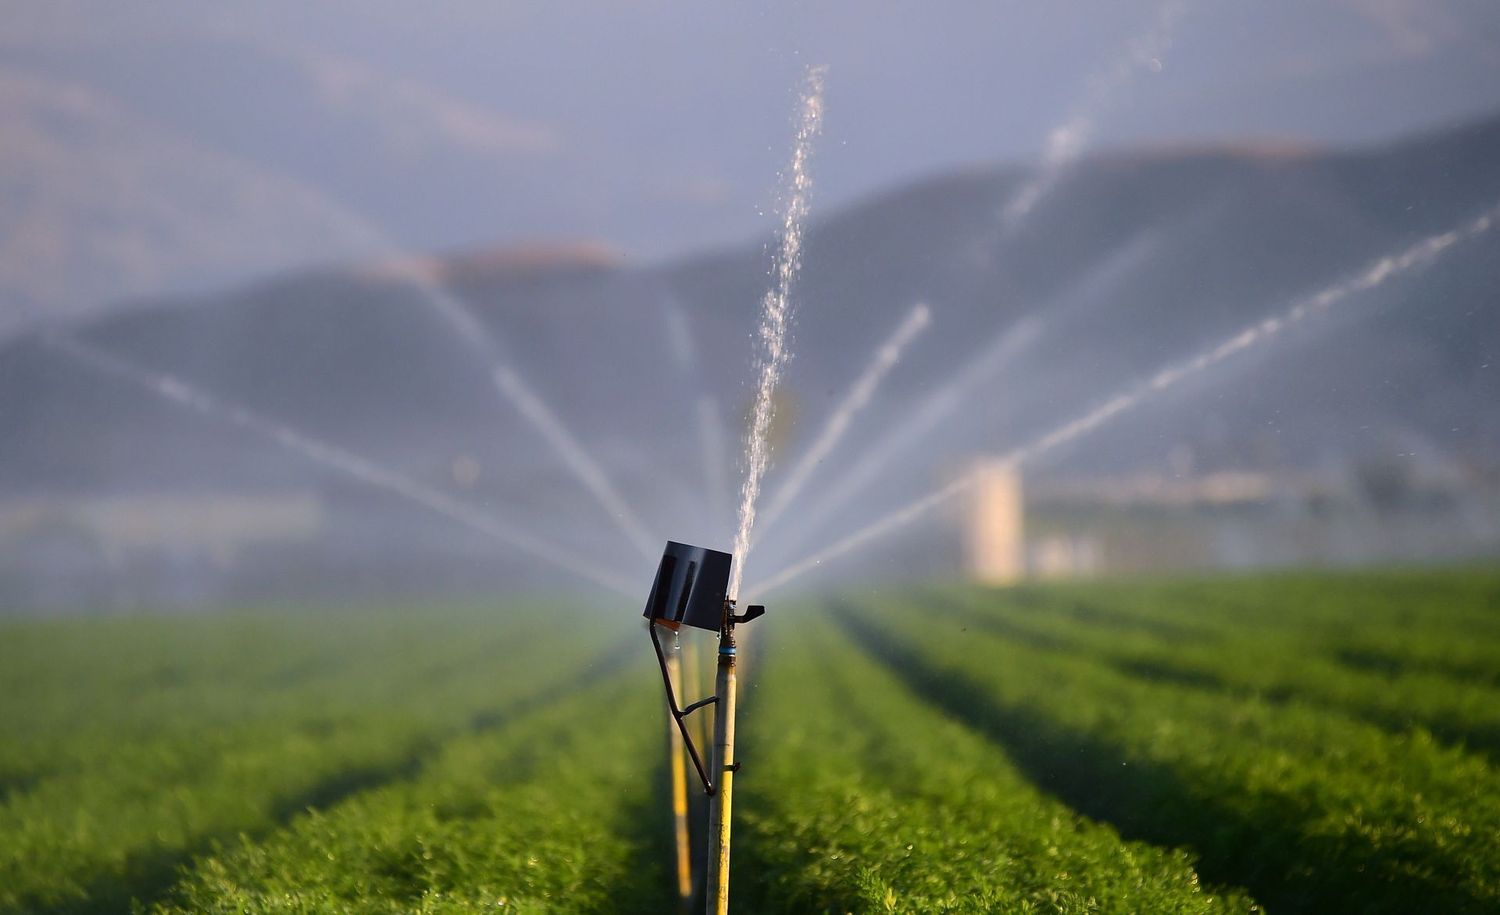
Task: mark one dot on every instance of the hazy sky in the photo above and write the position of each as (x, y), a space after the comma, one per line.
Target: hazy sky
(657, 127)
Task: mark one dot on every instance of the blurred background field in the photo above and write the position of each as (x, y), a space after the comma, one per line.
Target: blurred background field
(344, 222)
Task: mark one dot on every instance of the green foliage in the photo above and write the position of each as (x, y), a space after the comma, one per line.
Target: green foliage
(858, 797)
(557, 813)
(1309, 807)
(1300, 646)
(1307, 742)
(131, 745)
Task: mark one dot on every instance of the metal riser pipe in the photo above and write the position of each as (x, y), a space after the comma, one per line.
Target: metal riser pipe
(720, 806)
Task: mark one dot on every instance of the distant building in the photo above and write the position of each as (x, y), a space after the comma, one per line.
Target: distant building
(172, 549)
(1154, 523)
(994, 531)
(1063, 556)
(216, 526)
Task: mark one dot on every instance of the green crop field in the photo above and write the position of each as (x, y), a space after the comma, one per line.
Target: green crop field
(1291, 743)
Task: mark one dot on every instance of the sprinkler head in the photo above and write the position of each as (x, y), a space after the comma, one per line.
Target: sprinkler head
(691, 583)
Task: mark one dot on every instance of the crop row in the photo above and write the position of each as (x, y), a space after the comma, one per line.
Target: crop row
(560, 811)
(1277, 665)
(69, 688)
(143, 780)
(860, 797)
(1440, 621)
(1306, 807)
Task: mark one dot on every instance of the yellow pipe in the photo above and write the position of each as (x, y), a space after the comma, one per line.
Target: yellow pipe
(693, 687)
(720, 805)
(677, 769)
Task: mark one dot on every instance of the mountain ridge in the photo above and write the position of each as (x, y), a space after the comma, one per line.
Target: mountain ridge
(1130, 263)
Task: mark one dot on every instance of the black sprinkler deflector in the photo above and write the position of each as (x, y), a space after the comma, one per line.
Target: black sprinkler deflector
(690, 587)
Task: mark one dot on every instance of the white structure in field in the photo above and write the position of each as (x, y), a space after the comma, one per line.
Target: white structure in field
(1064, 556)
(119, 528)
(994, 532)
